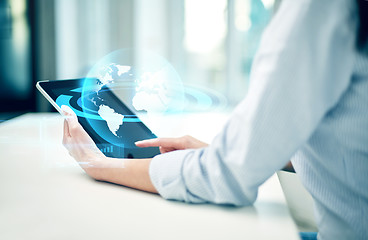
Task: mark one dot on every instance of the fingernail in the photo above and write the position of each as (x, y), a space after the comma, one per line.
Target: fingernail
(64, 110)
(138, 142)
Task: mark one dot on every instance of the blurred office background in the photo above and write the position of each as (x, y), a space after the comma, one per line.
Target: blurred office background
(211, 43)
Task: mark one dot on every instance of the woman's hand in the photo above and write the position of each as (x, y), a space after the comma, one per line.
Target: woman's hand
(80, 145)
(132, 173)
(172, 144)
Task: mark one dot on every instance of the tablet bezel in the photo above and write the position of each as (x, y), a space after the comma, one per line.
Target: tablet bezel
(46, 88)
(46, 95)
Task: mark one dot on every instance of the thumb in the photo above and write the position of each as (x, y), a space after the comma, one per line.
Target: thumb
(67, 111)
(71, 118)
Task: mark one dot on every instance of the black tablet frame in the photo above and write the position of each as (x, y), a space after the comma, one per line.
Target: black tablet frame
(48, 89)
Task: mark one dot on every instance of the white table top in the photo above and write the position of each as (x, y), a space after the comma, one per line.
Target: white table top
(45, 195)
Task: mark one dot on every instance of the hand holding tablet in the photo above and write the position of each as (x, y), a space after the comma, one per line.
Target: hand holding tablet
(116, 145)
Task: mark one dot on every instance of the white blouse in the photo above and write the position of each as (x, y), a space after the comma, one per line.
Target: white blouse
(308, 101)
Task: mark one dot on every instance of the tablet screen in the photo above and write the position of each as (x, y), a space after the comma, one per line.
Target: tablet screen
(110, 123)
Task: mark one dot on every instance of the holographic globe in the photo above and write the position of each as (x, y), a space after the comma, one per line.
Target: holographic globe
(145, 82)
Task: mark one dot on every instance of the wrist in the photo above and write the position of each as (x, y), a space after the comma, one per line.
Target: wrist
(106, 167)
(94, 166)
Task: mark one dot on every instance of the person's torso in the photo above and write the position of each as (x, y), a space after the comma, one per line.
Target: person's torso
(333, 164)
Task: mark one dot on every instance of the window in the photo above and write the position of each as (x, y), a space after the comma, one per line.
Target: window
(16, 65)
(210, 43)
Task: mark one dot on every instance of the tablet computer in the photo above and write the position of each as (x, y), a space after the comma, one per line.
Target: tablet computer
(110, 123)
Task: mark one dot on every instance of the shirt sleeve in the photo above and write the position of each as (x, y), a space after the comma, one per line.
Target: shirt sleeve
(303, 67)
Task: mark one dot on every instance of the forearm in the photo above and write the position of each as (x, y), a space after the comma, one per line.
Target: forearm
(132, 173)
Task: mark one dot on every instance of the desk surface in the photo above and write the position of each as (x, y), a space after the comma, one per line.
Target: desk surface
(45, 195)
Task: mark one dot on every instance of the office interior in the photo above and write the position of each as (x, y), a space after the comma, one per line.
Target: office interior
(211, 45)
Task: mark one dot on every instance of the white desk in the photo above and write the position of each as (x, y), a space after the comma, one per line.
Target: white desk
(45, 195)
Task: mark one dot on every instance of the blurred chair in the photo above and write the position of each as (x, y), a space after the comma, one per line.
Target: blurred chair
(299, 201)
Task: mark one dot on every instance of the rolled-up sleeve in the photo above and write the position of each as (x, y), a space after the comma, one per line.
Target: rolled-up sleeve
(302, 68)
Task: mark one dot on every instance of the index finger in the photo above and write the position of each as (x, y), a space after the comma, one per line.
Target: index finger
(158, 142)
